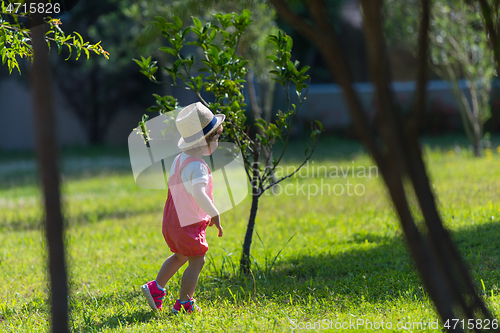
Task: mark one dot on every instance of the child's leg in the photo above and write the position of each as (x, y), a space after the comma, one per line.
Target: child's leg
(190, 277)
(169, 267)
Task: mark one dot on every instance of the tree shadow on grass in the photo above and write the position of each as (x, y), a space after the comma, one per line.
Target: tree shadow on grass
(109, 311)
(375, 269)
(118, 320)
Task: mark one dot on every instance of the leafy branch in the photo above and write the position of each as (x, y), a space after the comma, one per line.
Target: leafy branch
(221, 72)
(16, 42)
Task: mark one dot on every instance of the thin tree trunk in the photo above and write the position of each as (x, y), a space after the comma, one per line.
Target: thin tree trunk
(256, 192)
(245, 257)
(478, 150)
(418, 115)
(46, 147)
(492, 29)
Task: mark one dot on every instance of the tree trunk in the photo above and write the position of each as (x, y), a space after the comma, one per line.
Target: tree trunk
(492, 28)
(256, 192)
(478, 134)
(47, 162)
(478, 151)
(245, 256)
(398, 156)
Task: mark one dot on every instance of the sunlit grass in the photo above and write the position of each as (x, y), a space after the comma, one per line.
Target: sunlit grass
(343, 257)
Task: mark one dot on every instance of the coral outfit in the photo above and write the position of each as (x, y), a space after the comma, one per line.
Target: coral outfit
(184, 222)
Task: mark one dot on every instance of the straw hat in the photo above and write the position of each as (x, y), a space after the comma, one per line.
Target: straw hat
(195, 122)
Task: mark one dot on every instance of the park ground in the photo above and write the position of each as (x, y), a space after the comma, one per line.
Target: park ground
(320, 260)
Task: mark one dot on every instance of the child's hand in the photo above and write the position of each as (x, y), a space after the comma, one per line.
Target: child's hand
(216, 220)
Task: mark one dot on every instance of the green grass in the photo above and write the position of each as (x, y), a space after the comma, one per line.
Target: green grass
(321, 259)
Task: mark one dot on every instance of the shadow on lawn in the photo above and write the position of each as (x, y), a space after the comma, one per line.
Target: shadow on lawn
(118, 320)
(379, 269)
(92, 311)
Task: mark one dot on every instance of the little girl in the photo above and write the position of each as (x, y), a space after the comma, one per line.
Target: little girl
(189, 207)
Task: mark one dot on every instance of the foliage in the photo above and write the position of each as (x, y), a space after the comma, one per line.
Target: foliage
(15, 42)
(101, 89)
(221, 73)
(462, 46)
(459, 49)
(253, 45)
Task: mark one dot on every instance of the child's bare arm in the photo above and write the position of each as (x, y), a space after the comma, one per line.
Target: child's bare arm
(202, 199)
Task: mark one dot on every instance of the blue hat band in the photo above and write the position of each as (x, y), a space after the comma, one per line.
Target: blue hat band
(203, 132)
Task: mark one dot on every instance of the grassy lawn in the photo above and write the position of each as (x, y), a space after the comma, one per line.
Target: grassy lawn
(324, 259)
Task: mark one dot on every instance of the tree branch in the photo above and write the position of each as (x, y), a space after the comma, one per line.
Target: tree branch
(290, 175)
(490, 30)
(418, 116)
(298, 22)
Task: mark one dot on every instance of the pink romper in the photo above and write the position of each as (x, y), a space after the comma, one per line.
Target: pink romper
(189, 240)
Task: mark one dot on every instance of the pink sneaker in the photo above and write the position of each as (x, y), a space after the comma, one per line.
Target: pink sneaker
(153, 294)
(187, 306)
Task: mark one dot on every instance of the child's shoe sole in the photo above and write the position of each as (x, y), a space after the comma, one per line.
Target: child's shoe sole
(149, 297)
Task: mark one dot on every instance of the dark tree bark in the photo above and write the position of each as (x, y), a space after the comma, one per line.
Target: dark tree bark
(256, 192)
(398, 154)
(492, 26)
(46, 148)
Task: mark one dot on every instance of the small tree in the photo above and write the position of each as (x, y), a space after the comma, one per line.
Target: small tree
(224, 81)
(458, 49)
(16, 42)
(460, 46)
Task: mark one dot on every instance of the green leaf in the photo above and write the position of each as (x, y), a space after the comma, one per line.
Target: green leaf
(212, 34)
(262, 122)
(71, 51)
(79, 36)
(260, 126)
(320, 125)
(168, 50)
(272, 57)
(186, 31)
(153, 109)
(178, 22)
(197, 23)
(289, 43)
(304, 69)
(246, 13)
(161, 20)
